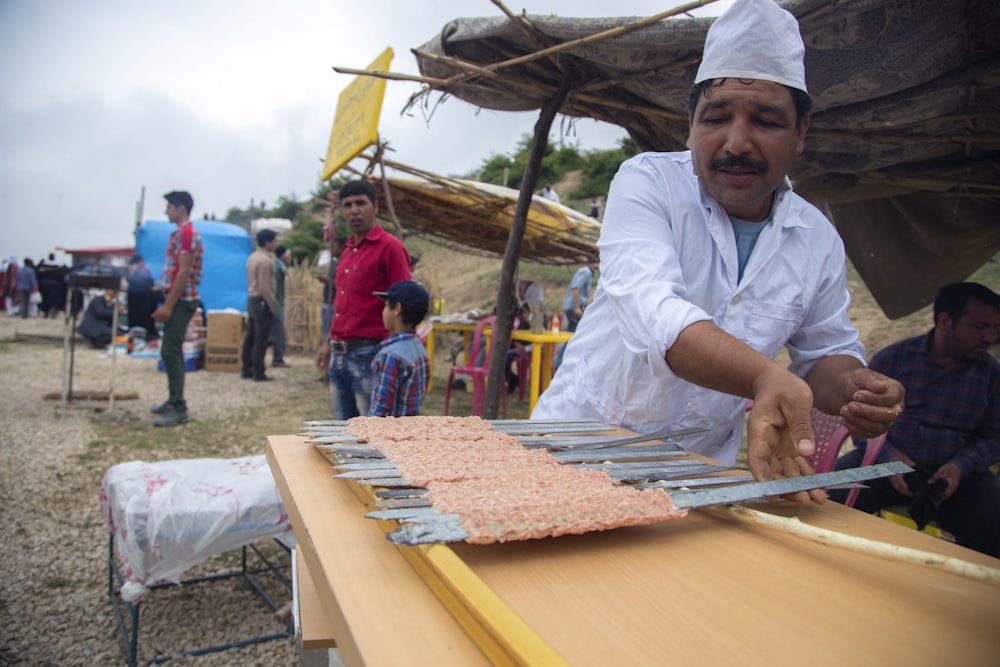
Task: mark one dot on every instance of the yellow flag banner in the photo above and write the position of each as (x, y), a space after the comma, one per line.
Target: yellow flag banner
(355, 125)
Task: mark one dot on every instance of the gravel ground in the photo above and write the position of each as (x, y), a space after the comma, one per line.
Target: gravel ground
(54, 608)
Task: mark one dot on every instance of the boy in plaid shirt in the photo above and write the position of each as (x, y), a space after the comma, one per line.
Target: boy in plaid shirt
(400, 369)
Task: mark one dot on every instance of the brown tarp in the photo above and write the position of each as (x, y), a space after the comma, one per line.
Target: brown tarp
(904, 145)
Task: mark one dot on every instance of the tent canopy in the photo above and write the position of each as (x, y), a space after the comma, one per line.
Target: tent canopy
(224, 276)
(904, 142)
(479, 215)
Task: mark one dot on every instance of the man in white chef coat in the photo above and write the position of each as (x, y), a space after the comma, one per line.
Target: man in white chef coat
(710, 264)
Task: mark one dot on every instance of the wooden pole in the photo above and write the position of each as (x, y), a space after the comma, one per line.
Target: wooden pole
(505, 290)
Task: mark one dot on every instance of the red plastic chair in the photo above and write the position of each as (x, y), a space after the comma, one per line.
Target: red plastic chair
(830, 437)
(477, 374)
(523, 361)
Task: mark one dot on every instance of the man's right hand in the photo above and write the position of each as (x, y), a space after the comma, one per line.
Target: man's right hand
(323, 357)
(779, 431)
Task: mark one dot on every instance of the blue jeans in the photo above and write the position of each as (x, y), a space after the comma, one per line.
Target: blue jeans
(571, 322)
(351, 382)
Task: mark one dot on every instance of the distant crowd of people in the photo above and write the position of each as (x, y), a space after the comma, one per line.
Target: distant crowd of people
(29, 289)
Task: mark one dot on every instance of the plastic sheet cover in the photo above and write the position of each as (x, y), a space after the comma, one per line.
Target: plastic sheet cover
(169, 516)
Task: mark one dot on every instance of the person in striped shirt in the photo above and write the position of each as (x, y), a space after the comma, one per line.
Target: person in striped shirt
(400, 369)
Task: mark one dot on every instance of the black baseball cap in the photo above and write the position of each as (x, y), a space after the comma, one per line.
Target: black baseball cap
(412, 295)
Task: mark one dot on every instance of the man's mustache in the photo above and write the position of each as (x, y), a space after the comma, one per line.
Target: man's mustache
(740, 161)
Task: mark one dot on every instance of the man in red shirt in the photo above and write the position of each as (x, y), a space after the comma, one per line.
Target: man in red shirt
(180, 279)
(372, 260)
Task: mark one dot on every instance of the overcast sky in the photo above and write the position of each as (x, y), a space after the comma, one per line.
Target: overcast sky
(230, 100)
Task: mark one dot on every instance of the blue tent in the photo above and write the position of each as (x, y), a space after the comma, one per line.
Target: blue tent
(224, 276)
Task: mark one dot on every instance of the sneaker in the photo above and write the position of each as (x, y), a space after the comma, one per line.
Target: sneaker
(160, 409)
(171, 417)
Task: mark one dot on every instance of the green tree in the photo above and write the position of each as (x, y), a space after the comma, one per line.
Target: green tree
(496, 169)
(240, 217)
(601, 166)
(287, 208)
(558, 159)
(306, 238)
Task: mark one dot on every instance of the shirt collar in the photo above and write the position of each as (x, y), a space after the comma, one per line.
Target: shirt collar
(402, 335)
(374, 234)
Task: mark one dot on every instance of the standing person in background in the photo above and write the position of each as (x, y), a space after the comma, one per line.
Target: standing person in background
(50, 284)
(578, 295)
(181, 277)
(372, 261)
(141, 297)
(3, 284)
(595, 208)
(10, 285)
(262, 304)
(330, 281)
(577, 298)
(27, 283)
(549, 193)
(279, 337)
(710, 263)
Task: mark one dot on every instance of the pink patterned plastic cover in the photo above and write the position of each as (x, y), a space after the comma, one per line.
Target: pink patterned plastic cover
(169, 516)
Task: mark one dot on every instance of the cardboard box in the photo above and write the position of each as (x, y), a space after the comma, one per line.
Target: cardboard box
(225, 329)
(224, 358)
(225, 363)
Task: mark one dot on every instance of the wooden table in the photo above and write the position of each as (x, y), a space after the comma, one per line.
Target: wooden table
(543, 350)
(703, 590)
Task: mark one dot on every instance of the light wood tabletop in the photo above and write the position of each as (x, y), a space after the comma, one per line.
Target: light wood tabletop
(702, 590)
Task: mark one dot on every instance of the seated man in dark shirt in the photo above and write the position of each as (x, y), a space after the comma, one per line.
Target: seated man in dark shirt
(97, 320)
(950, 428)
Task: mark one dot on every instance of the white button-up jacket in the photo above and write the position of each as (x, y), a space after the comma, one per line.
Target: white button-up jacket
(668, 260)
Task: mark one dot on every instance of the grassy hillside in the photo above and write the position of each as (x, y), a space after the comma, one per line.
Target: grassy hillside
(466, 281)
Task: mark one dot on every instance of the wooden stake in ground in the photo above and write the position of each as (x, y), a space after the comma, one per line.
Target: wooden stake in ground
(505, 291)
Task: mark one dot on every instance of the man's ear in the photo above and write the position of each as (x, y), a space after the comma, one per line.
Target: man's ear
(801, 130)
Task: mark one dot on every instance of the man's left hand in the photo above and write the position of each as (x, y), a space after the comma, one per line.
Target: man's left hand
(872, 402)
(951, 473)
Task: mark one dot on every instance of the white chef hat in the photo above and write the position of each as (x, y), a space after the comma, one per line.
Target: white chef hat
(755, 39)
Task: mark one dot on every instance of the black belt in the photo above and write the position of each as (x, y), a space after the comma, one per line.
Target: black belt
(342, 346)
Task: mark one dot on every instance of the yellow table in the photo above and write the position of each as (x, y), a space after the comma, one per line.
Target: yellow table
(466, 330)
(543, 349)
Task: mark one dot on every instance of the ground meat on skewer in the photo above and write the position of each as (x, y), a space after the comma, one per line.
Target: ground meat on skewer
(501, 491)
